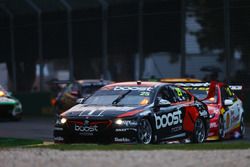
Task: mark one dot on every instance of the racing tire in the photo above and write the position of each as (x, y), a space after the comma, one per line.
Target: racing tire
(242, 127)
(199, 134)
(16, 118)
(221, 129)
(145, 132)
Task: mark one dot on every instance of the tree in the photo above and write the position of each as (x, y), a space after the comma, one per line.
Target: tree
(210, 15)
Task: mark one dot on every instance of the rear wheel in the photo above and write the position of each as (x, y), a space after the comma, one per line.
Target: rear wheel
(199, 131)
(145, 132)
(221, 130)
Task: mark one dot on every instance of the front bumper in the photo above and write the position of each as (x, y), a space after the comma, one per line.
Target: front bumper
(95, 132)
(9, 110)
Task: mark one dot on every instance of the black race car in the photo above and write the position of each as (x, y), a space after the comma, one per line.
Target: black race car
(135, 112)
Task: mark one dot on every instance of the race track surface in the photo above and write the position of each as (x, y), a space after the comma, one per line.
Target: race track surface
(28, 128)
(40, 128)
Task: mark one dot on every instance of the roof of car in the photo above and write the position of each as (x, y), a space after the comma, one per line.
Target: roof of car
(135, 83)
(180, 80)
(94, 81)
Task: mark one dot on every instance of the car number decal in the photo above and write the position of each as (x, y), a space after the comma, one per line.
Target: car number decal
(178, 90)
(144, 93)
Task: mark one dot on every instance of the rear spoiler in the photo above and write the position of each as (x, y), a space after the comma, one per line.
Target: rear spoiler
(193, 84)
(211, 85)
(236, 87)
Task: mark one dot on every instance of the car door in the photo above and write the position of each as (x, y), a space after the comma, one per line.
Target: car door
(168, 118)
(231, 115)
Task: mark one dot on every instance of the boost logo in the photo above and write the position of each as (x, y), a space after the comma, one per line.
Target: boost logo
(86, 128)
(168, 119)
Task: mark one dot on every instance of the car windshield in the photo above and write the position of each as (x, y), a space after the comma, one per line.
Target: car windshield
(201, 93)
(121, 96)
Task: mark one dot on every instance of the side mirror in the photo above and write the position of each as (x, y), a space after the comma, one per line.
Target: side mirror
(228, 102)
(80, 100)
(163, 103)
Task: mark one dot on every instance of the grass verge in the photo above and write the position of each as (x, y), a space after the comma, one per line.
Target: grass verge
(12, 142)
(28, 143)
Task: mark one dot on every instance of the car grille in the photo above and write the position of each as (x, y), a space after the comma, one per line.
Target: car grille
(88, 127)
(6, 110)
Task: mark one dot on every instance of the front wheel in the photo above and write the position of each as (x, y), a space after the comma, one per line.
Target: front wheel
(199, 131)
(242, 127)
(221, 130)
(145, 132)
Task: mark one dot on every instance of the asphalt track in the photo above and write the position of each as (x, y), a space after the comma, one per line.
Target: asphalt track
(40, 128)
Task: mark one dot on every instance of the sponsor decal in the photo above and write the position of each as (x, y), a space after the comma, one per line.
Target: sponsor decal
(58, 138)
(58, 129)
(123, 139)
(175, 136)
(129, 123)
(175, 129)
(194, 84)
(86, 134)
(235, 87)
(79, 128)
(133, 88)
(168, 119)
(126, 129)
(213, 125)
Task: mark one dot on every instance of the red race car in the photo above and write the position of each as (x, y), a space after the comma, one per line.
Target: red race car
(225, 108)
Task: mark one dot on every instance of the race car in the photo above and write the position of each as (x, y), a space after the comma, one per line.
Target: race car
(225, 108)
(10, 107)
(67, 97)
(135, 112)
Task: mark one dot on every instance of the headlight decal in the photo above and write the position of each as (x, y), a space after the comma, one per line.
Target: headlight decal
(122, 122)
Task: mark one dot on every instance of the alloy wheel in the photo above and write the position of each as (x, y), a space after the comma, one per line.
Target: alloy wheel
(145, 132)
(200, 133)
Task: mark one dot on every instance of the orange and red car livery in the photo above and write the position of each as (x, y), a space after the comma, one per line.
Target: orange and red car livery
(225, 109)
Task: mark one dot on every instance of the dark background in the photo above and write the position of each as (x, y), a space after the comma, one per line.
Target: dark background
(222, 28)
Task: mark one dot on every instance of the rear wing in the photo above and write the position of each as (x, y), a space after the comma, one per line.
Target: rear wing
(192, 84)
(211, 85)
(238, 90)
(236, 87)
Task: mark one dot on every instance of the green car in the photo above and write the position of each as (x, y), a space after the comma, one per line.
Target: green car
(10, 107)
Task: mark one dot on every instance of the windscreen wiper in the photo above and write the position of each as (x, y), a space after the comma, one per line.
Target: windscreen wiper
(119, 98)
